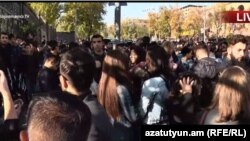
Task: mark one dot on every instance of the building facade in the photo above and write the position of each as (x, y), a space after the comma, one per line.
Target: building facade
(14, 15)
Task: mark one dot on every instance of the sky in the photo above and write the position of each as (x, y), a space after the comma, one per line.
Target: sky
(140, 10)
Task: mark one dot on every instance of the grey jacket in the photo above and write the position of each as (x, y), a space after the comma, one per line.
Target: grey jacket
(125, 131)
(129, 114)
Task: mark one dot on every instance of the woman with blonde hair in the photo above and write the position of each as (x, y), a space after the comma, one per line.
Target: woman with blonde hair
(231, 99)
(231, 102)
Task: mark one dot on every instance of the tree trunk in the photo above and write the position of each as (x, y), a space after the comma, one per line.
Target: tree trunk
(90, 31)
(47, 31)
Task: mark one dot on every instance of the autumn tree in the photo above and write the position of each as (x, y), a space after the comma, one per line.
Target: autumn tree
(232, 26)
(84, 18)
(104, 31)
(194, 22)
(215, 19)
(128, 29)
(153, 24)
(141, 31)
(164, 22)
(133, 28)
(49, 12)
(111, 31)
(159, 23)
(176, 21)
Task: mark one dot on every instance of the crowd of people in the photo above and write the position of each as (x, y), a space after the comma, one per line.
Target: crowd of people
(96, 91)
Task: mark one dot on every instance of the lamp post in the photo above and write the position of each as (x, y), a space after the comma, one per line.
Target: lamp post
(204, 26)
(117, 21)
(117, 17)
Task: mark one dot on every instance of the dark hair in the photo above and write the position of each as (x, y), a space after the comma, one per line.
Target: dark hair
(160, 59)
(73, 45)
(63, 48)
(146, 39)
(153, 45)
(60, 117)
(52, 44)
(223, 46)
(78, 67)
(11, 36)
(96, 36)
(234, 39)
(241, 8)
(4, 33)
(185, 50)
(53, 57)
(140, 53)
(19, 37)
(86, 44)
(106, 41)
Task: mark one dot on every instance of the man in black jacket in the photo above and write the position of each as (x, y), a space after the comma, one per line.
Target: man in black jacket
(205, 68)
(97, 46)
(47, 79)
(77, 69)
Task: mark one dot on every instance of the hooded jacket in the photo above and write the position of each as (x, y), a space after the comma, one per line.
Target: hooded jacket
(206, 68)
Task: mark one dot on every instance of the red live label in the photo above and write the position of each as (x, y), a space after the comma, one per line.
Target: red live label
(236, 16)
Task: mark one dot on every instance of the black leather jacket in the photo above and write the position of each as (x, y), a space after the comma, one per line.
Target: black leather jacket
(206, 68)
(47, 80)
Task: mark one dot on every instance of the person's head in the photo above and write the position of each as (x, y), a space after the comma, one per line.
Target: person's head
(97, 44)
(19, 40)
(62, 49)
(77, 69)
(73, 45)
(157, 60)
(139, 41)
(53, 46)
(86, 44)
(59, 117)
(200, 51)
(146, 40)
(109, 46)
(168, 47)
(232, 94)
(114, 72)
(12, 39)
(236, 47)
(106, 41)
(137, 55)
(29, 49)
(186, 52)
(4, 38)
(51, 62)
